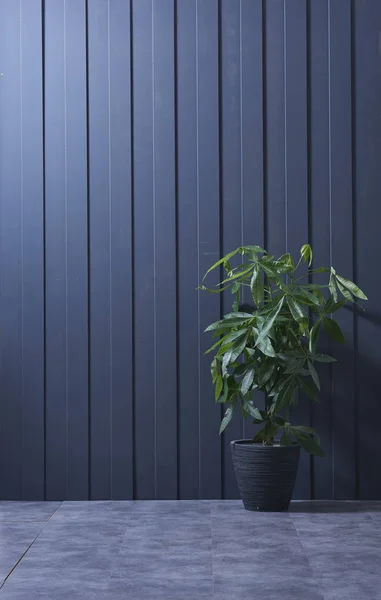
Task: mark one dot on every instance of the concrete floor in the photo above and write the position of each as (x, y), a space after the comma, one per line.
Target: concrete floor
(189, 550)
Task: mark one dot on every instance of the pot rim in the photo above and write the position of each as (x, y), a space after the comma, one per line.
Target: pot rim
(259, 445)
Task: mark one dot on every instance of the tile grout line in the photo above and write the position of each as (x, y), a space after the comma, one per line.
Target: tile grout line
(308, 558)
(43, 523)
(20, 559)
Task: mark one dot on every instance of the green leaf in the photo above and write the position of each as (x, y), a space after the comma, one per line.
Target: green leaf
(284, 395)
(265, 345)
(314, 336)
(218, 388)
(255, 249)
(331, 306)
(323, 358)
(247, 382)
(240, 274)
(352, 287)
(214, 370)
(203, 288)
(222, 260)
(308, 443)
(257, 286)
(346, 293)
(265, 372)
(308, 387)
(306, 430)
(320, 270)
(270, 322)
(244, 316)
(238, 348)
(235, 287)
(332, 287)
(285, 440)
(227, 417)
(333, 330)
(227, 359)
(314, 375)
(295, 310)
(252, 410)
(306, 253)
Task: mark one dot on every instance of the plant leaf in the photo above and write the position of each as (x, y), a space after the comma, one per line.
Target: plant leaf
(285, 440)
(257, 286)
(269, 323)
(284, 395)
(314, 375)
(238, 348)
(295, 309)
(352, 287)
(218, 388)
(306, 430)
(333, 330)
(323, 358)
(314, 336)
(247, 382)
(346, 293)
(308, 387)
(306, 253)
(227, 417)
(221, 261)
(308, 443)
(265, 372)
(252, 410)
(332, 287)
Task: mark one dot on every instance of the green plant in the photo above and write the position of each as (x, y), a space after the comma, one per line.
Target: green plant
(274, 347)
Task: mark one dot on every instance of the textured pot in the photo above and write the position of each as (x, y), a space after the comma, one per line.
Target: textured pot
(265, 474)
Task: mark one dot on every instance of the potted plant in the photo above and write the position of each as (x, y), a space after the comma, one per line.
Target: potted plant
(273, 348)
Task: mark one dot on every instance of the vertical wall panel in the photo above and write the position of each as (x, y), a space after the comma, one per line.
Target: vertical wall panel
(144, 252)
(231, 192)
(99, 72)
(66, 251)
(165, 249)
(320, 222)
(253, 94)
(208, 239)
(33, 252)
(367, 99)
(121, 317)
(296, 175)
(140, 140)
(275, 127)
(340, 94)
(110, 250)
(189, 331)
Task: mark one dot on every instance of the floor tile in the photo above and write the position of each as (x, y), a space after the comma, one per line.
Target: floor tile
(196, 588)
(27, 511)
(250, 588)
(15, 538)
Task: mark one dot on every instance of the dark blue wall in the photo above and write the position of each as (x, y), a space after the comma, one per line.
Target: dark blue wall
(138, 141)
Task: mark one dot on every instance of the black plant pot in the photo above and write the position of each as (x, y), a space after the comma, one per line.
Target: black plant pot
(265, 474)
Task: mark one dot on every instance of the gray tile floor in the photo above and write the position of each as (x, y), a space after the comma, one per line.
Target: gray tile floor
(189, 550)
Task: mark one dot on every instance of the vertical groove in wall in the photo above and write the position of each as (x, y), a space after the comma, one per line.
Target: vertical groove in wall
(88, 248)
(330, 216)
(264, 110)
(154, 235)
(285, 121)
(309, 190)
(354, 243)
(44, 220)
(221, 189)
(21, 235)
(177, 325)
(110, 242)
(132, 251)
(66, 254)
(198, 254)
